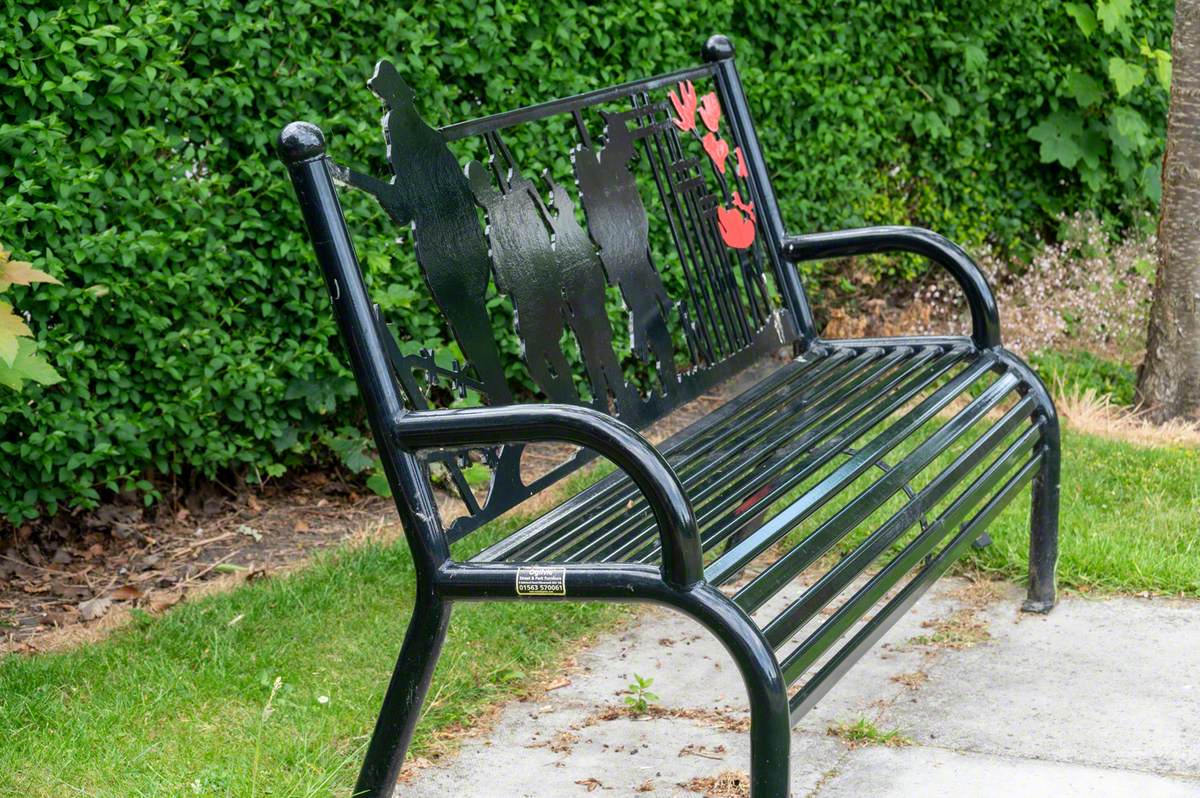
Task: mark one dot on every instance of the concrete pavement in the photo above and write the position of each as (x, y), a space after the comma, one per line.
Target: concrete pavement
(1100, 698)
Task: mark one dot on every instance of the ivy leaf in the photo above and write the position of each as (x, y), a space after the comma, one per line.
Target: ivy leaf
(1084, 17)
(1084, 89)
(12, 327)
(351, 449)
(1152, 182)
(1060, 135)
(1161, 60)
(1125, 76)
(1112, 13)
(974, 57)
(19, 272)
(377, 482)
(27, 365)
(1128, 130)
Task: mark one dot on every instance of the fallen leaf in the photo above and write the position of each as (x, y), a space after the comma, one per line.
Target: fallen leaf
(591, 784)
(94, 608)
(163, 601)
(558, 683)
(126, 593)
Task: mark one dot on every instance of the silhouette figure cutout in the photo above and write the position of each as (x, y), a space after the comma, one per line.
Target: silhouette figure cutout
(582, 278)
(430, 193)
(620, 228)
(526, 271)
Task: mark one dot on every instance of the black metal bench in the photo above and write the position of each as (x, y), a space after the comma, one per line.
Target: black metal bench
(892, 454)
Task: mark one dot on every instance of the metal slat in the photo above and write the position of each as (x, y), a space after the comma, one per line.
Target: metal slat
(775, 576)
(816, 688)
(834, 581)
(710, 478)
(740, 555)
(771, 460)
(602, 493)
(805, 654)
(816, 448)
(693, 469)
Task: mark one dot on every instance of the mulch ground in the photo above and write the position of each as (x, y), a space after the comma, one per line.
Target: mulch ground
(53, 579)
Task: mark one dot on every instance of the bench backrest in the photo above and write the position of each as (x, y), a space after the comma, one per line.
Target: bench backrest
(632, 231)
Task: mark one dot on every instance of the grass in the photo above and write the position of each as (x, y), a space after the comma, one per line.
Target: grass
(278, 703)
(863, 732)
(1130, 520)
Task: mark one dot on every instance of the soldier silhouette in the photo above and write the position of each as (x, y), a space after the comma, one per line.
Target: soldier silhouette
(527, 272)
(617, 220)
(430, 192)
(582, 279)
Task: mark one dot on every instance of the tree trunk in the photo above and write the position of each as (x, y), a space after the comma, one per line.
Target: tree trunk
(1169, 380)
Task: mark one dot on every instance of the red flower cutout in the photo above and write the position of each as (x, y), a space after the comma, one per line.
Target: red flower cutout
(717, 150)
(742, 171)
(685, 106)
(737, 231)
(710, 111)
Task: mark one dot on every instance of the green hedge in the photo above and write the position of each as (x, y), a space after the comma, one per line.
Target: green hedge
(136, 165)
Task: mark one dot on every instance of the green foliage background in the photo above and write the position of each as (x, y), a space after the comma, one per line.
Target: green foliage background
(191, 328)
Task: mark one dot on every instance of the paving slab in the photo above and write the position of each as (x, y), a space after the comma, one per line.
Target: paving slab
(938, 773)
(1114, 683)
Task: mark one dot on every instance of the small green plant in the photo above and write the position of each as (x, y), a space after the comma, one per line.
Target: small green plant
(640, 698)
(19, 358)
(864, 732)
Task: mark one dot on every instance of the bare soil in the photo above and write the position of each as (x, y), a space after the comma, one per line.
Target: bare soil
(87, 573)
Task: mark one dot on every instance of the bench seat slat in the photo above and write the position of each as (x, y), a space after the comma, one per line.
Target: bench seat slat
(805, 654)
(616, 490)
(698, 460)
(710, 484)
(838, 578)
(820, 683)
(734, 560)
(621, 526)
(783, 570)
(807, 452)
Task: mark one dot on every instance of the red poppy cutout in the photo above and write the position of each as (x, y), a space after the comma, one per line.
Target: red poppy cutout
(742, 171)
(737, 231)
(685, 106)
(710, 111)
(717, 151)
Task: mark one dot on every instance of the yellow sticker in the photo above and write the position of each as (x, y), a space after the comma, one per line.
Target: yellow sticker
(541, 581)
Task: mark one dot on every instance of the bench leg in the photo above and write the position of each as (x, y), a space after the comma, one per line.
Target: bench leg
(405, 694)
(770, 721)
(1043, 516)
(1043, 526)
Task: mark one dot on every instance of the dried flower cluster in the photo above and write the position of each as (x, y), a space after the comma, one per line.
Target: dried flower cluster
(1084, 292)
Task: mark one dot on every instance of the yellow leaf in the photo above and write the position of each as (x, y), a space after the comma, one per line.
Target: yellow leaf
(21, 272)
(12, 326)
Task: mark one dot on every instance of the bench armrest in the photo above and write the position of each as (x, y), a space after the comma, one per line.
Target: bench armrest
(985, 319)
(682, 563)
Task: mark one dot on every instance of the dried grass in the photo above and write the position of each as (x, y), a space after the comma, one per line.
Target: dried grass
(730, 784)
(1085, 411)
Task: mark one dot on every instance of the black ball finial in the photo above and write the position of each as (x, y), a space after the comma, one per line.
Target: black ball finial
(300, 141)
(717, 48)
